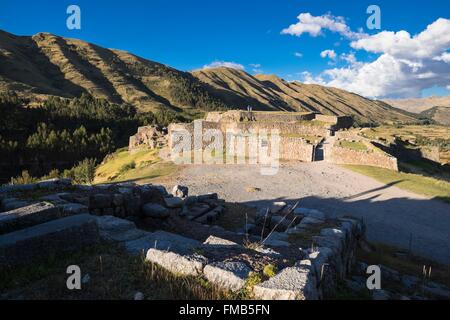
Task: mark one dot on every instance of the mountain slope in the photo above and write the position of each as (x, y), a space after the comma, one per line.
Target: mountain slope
(439, 114)
(45, 64)
(420, 104)
(271, 92)
(48, 64)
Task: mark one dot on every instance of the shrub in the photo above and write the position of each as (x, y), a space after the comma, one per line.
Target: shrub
(24, 178)
(83, 173)
(270, 270)
(126, 167)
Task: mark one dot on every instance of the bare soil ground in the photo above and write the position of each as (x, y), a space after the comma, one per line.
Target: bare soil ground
(393, 216)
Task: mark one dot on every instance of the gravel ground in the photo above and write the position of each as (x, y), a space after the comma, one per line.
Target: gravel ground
(393, 216)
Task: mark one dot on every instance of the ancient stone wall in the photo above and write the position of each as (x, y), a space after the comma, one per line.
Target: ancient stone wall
(291, 148)
(380, 159)
(296, 149)
(149, 136)
(243, 116)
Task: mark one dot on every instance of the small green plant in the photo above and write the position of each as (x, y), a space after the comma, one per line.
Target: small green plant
(253, 279)
(270, 270)
(127, 167)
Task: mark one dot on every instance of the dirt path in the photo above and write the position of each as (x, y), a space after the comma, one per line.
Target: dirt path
(393, 216)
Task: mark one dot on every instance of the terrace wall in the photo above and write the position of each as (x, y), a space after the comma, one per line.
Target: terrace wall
(340, 155)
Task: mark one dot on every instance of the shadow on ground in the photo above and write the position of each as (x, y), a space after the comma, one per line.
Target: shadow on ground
(402, 222)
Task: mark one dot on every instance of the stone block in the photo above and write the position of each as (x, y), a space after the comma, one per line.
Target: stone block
(173, 202)
(154, 210)
(28, 216)
(100, 201)
(54, 237)
(179, 263)
(227, 275)
(293, 283)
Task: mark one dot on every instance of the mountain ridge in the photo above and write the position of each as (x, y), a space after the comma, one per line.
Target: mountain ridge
(46, 64)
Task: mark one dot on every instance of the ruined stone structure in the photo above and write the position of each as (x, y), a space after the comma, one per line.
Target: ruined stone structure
(309, 251)
(237, 128)
(149, 136)
(73, 217)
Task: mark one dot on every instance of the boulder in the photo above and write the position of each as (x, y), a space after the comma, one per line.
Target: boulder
(190, 200)
(179, 263)
(28, 216)
(163, 241)
(100, 201)
(211, 216)
(118, 200)
(119, 230)
(69, 209)
(180, 191)
(311, 213)
(173, 202)
(198, 210)
(154, 210)
(227, 275)
(152, 193)
(293, 283)
(308, 221)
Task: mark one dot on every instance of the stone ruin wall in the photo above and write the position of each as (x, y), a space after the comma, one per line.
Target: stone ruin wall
(339, 155)
(150, 136)
(291, 148)
(242, 116)
(296, 149)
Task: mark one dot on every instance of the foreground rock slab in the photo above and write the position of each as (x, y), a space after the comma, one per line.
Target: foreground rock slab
(293, 283)
(227, 275)
(28, 216)
(62, 235)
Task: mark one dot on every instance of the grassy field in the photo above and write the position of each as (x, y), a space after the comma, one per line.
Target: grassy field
(411, 182)
(353, 145)
(141, 166)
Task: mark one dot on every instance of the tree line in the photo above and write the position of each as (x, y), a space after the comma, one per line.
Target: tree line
(59, 133)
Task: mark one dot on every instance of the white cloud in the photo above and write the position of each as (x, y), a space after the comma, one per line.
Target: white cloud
(448, 87)
(314, 26)
(349, 58)
(429, 43)
(256, 67)
(298, 54)
(406, 65)
(443, 57)
(328, 53)
(218, 64)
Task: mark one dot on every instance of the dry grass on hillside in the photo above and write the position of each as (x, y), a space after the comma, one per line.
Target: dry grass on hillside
(141, 166)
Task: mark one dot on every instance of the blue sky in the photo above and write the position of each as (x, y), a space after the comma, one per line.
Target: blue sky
(191, 34)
